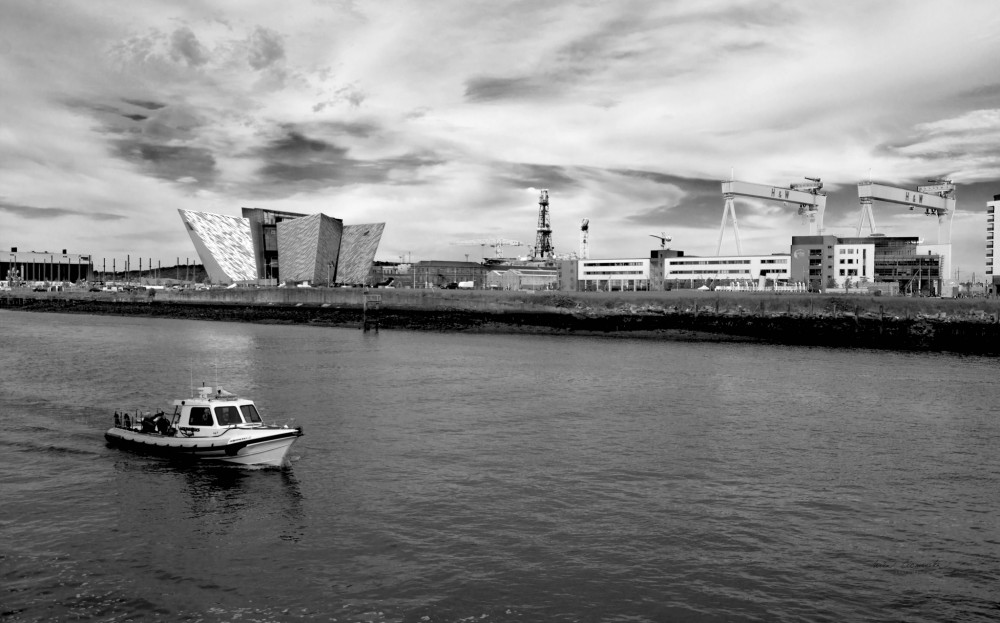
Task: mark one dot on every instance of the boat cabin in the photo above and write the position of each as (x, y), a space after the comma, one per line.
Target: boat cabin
(212, 410)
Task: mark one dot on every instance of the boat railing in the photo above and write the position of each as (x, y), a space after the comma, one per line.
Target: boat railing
(124, 419)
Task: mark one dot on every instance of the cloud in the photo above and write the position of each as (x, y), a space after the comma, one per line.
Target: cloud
(528, 175)
(446, 120)
(294, 162)
(967, 143)
(488, 89)
(184, 45)
(350, 94)
(170, 162)
(144, 104)
(265, 48)
(36, 213)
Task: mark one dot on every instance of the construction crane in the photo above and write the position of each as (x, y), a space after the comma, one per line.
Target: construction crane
(937, 198)
(807, 195)
(496, 243)
(663, 238)
(585, 239)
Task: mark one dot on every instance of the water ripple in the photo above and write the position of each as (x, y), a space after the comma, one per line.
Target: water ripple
(485, 478)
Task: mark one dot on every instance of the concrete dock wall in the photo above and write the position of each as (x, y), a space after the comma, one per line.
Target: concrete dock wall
(449, 311)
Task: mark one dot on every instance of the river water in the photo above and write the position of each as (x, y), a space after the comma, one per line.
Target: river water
(453, 477)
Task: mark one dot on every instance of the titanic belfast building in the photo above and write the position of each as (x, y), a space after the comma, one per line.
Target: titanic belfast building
(267, 246)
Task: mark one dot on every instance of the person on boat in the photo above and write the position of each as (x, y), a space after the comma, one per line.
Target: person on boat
(156, 424)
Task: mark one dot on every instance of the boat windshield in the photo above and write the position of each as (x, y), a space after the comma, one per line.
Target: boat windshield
(200, 416)
(228, 416)
(250, 413)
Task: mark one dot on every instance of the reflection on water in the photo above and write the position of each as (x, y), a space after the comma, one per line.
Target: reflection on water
(499, 478)
(211, 500)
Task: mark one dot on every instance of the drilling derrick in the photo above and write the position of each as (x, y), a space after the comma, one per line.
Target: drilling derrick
(543, 241)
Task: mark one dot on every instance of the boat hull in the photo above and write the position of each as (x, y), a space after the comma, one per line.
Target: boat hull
(267, 447)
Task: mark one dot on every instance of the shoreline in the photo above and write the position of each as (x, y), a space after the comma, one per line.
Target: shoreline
(978, 334)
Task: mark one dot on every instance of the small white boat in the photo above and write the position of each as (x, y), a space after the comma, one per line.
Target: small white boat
(214, 426)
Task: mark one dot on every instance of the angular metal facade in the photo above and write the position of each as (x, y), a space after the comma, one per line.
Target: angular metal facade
(223, 244)
(357, 251)
(266, 244)
(309, 248)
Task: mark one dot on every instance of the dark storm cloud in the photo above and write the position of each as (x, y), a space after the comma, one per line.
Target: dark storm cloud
(336, 170)
(184, 45)
(524, 175)
(32, 212)
(701, 206)
(296, 162)
(170, 162)
(296, 144)
(148, 105)
(617, 46)
(490, 88)
(96, 107)
(266, 48)
(973, 197)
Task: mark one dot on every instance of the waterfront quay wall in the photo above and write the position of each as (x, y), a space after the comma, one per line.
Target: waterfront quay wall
(971, 326)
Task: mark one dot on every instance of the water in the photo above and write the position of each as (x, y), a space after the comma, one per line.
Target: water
(449, 477)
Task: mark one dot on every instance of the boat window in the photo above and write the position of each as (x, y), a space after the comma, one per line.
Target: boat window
(250, 413)
(200, 416)
(228, 416)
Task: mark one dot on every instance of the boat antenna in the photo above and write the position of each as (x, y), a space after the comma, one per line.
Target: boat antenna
(191, 372)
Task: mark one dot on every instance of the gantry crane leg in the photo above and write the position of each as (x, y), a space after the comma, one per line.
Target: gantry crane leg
(866, 211)
(945, 218)
(730, 209)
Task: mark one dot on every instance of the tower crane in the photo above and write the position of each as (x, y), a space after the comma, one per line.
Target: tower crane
(496, 243)
(585, 239)
(808, 196)
(663, 238)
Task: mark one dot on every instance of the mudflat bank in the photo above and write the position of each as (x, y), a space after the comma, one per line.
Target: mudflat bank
(963, 326)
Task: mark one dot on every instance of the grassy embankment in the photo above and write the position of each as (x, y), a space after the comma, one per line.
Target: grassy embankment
(758, 304)
(960, 325)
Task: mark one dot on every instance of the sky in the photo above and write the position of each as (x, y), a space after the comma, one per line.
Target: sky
(444, 119)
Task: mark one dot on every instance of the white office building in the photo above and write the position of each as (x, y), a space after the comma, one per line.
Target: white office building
(613, 275)
(680, 272)
(854, 264)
